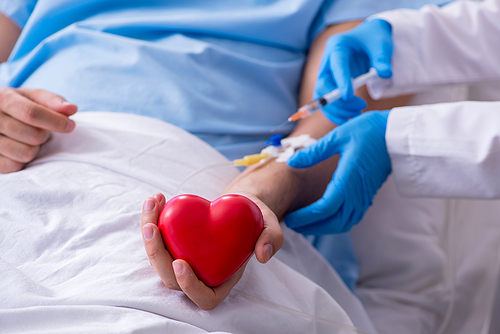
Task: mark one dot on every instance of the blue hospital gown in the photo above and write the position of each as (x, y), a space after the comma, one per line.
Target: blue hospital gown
(226, 71)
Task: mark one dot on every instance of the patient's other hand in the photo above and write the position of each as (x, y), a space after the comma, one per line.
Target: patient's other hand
(27, 116)
(178, 274)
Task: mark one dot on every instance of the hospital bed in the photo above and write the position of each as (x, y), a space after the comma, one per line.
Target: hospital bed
(72, 259)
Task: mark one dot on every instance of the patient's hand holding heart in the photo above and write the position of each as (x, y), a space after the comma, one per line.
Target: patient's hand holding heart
(214, 238)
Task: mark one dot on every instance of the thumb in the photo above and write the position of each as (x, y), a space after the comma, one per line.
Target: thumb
(340, 68)
(383, 66)
(380, 58)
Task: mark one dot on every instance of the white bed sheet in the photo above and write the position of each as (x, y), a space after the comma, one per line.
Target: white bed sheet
(71, 253)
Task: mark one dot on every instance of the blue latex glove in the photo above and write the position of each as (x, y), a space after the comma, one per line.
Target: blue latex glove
(362, 169)
(348, 55)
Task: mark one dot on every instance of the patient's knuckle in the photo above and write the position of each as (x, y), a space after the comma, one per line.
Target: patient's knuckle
(30, 112)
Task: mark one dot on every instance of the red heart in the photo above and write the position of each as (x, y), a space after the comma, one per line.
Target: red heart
(215, 238)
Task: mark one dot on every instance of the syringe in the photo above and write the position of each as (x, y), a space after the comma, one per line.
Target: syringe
(330, 97)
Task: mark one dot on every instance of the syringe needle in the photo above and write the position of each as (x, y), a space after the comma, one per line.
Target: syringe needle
(279, 126)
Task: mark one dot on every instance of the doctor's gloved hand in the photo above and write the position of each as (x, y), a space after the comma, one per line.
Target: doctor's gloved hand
(363, 167)
(348, 55)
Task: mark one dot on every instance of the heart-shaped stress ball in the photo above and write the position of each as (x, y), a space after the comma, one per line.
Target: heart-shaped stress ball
(215, 238)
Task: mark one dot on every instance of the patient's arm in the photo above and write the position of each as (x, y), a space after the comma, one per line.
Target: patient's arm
(26, 115)
(9, 33)
(274, 187)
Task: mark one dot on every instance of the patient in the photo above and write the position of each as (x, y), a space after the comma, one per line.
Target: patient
(228, 74)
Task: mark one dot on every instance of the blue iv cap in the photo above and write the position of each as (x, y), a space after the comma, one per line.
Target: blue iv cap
(274, 140)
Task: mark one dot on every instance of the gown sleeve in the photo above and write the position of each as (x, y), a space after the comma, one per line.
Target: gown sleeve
(446, 150)
(457, 43)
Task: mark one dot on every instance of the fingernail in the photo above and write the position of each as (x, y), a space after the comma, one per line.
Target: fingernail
(65, 103)
(149, 205)
(71, 126)
(178, 267)
(268, 252)
(147, 232)
(158, 197)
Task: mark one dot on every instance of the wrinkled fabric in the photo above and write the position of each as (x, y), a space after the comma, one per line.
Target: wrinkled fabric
(226, 71)
(72, 257)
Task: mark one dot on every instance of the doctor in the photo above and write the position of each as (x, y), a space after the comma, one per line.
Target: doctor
(442, 150)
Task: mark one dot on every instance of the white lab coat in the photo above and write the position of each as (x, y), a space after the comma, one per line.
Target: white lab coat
(452, 149)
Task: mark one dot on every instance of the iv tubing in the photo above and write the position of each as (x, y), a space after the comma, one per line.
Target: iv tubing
(247, 160)
(201, 170)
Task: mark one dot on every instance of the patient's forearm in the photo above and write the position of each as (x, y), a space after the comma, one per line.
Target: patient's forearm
(9, 33)
(283, 188)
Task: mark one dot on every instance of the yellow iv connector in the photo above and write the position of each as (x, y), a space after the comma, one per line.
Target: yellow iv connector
(248, 160)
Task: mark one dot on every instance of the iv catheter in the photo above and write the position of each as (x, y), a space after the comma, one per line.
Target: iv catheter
(309, 108)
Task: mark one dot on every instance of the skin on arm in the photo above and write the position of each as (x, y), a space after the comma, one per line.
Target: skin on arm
(275, 187)
(9, 33)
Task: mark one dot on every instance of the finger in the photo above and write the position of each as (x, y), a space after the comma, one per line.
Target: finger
(309, 156)
(271, 239)
(205, 297)
(22, 132)
(17, 151)
(339, 222)
(341, 111)
(324, 84)
(330, 225)
(339, 116)
(380, 51)
(9, 166)
(354, 104)
(161, 200)
(34, 114)
(158, 255)
(326, 206)
(341, 70)
(381, 60)
(49, 100)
